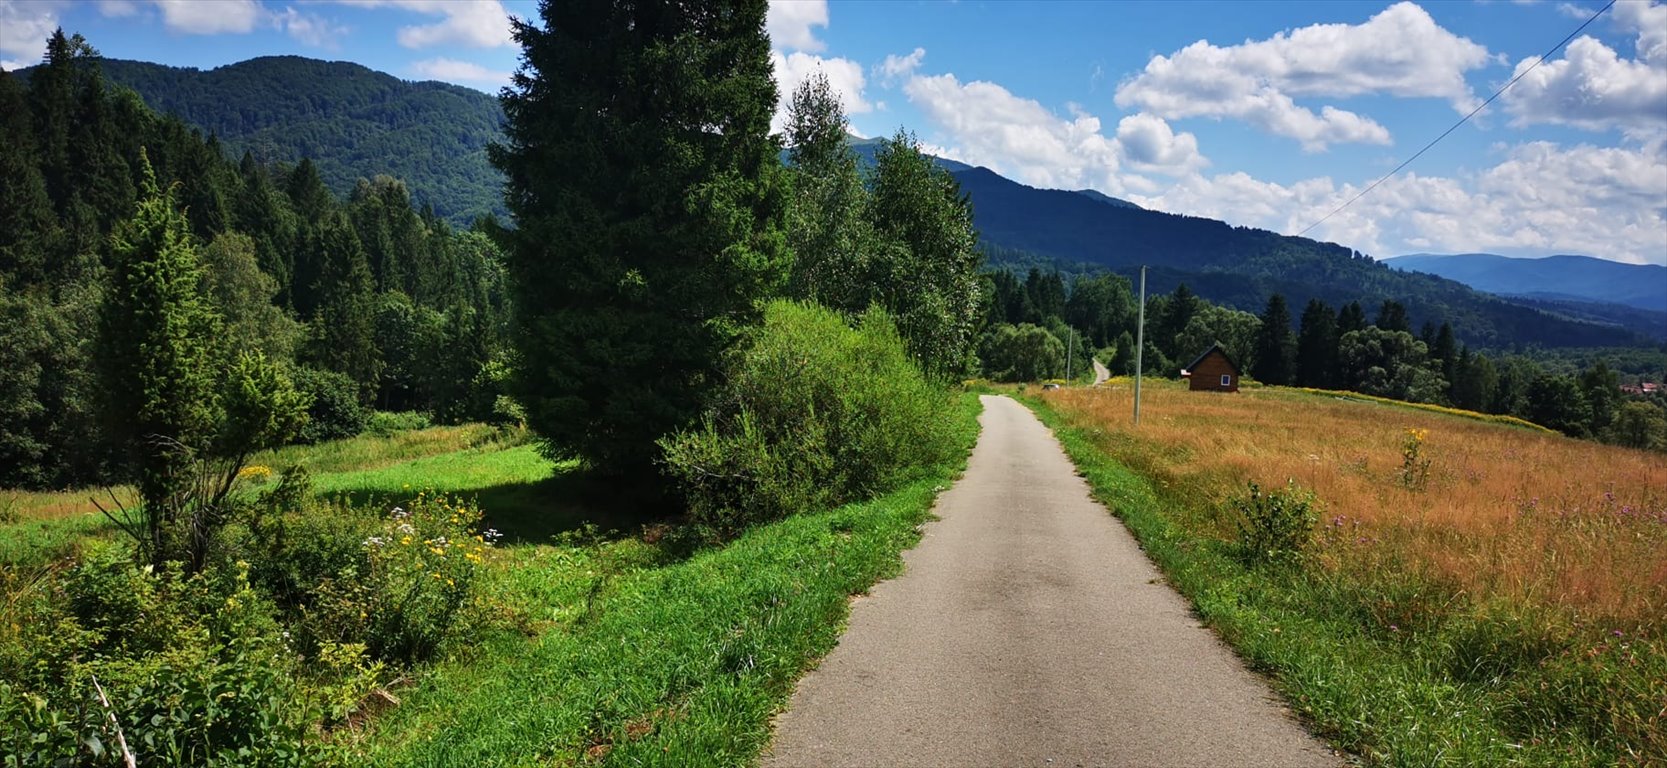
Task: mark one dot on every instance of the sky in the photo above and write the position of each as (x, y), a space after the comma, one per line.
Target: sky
(1264, 114)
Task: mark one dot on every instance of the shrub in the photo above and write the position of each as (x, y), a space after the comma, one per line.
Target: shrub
(193, 667)
(335, 412)
(814, 413)
(385, 423)
(1275, 525)
(402, 593)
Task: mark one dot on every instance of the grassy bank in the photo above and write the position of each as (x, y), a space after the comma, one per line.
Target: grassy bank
(1433, 621)
(472, 459)
(618, 652)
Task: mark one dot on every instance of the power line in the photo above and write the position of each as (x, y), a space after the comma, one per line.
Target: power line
(1461, 121)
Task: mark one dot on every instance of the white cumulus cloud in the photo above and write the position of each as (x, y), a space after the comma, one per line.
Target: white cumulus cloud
(460, 72)
(1593, 87)
(194, 17)
(24, 27)
(310, 28)
(1400, 52)
(845, 77)
(469, 23)
(1539, 198)
(985, 124)
(790, 24)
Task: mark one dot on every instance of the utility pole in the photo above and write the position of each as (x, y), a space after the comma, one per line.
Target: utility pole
(1069, 345)
(1139, 346)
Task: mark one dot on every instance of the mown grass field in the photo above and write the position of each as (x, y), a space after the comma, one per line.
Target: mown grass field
(1505, 606)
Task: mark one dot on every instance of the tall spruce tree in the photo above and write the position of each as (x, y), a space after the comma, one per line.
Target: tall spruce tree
(344, 325)
(1274, 345)
(647, 195)
(1317, 346)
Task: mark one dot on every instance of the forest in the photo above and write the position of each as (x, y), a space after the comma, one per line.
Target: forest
(369, 302)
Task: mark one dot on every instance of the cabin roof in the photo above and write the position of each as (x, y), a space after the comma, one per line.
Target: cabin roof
(1216, 347)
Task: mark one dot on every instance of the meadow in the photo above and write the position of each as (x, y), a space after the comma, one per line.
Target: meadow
(1471, 592)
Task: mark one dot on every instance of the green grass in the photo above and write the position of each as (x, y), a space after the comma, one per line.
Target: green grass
(616, 652)
(1453, 692)
(472, 459)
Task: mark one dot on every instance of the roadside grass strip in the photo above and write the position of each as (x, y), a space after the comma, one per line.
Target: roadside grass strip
(1454, 691)
(618, 653)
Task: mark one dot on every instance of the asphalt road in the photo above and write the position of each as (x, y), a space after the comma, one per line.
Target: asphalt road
(1101, 373)
(1028, 629)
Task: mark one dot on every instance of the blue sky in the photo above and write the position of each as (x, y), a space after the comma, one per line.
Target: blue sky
(1265, 114)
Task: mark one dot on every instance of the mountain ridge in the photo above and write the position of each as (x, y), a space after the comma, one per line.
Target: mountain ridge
(1563, 277)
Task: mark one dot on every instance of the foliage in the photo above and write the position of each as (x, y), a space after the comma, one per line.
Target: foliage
(815, 414)
(401, 592)
(928, 278)
(1274, 360)
(193, 668)
(1276, 525)
(354, 123)
(833, 244)
(1021, 353)
(648, 198)
(335, 412)
(677, 661)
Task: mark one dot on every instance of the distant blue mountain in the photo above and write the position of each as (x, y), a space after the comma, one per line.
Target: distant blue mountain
(1554, 278)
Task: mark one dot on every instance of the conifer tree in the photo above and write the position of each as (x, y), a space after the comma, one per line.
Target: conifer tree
(647, 195)
(344, 324)
(1317, 346)
(1274, 345)
(155, 354)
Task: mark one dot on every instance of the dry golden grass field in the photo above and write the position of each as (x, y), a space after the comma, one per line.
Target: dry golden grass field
(1504, 513)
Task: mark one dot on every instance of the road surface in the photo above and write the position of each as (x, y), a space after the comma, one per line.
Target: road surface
(1028, 629)
(1101, 373)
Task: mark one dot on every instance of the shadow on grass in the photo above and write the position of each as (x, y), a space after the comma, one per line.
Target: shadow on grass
(534, 512)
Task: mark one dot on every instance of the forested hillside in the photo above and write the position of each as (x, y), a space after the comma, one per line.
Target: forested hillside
(352, 122)
(1241, 266)
(363, 302)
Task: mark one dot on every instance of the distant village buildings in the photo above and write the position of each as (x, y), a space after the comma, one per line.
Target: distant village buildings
(1646, 388)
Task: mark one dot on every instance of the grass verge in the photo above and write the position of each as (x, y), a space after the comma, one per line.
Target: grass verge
(614, 652)
(1399, 668)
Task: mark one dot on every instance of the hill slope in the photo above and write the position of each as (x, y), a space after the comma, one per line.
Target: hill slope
(1556, 278)
(352, 121)
(1241, 266)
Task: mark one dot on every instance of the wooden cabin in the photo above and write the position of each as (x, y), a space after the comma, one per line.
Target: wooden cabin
(1213, 371)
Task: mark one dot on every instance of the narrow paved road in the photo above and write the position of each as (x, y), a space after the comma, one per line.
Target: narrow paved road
(1101, 373)
(1028, 629)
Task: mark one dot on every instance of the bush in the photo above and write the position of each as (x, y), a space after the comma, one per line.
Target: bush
(815, 413)
(401, 591)
(385, 423)
(335, 412)
(193, 667)
(1275, 525)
